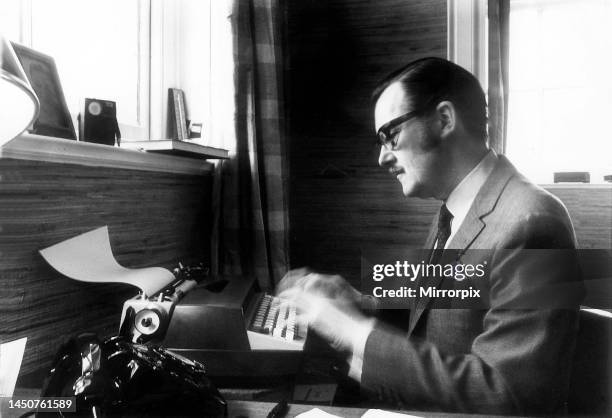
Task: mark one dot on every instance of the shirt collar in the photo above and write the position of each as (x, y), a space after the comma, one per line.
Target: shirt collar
(461, 198)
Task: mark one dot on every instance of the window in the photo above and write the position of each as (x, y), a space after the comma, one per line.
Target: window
(131, 52)
(101, 49)
(560, 87)
(10, 25)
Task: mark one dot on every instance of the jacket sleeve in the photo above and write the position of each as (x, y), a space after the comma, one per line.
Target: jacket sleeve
(521, 360)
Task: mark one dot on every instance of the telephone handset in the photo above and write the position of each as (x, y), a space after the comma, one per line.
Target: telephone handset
(117, 377)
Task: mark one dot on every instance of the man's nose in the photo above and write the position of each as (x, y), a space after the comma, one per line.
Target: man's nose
(386, 157)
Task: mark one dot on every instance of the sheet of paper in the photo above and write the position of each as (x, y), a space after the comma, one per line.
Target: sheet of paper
(379, 413)
(11, 354)
(316, 413)
(88, 258)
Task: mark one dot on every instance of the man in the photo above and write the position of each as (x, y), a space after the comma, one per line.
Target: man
(430, 118)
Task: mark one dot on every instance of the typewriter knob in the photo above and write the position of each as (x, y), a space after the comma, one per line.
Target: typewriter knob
(147, 321)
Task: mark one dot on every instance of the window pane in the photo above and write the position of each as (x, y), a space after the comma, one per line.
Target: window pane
(560, 88)
(10, 25)
(95, 44)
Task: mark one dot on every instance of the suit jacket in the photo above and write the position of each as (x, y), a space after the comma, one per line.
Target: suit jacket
(500, 359)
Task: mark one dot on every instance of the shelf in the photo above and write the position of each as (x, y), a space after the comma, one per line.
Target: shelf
(180, 148)
(57, 150)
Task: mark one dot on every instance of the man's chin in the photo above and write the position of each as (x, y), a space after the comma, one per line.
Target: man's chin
(411, 189)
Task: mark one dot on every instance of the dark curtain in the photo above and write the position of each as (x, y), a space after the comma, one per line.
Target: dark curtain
(250, 233)
(499, 30)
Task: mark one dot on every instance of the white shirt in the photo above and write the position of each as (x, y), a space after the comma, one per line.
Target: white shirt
(458, 203)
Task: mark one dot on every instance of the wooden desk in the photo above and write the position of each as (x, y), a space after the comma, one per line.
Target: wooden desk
(252, 409)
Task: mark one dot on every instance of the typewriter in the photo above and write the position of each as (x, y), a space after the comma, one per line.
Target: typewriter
(223, 322)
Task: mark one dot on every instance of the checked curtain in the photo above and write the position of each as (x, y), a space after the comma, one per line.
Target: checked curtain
(249, 192)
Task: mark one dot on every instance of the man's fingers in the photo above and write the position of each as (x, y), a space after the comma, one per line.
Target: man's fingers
(314, 283)
(302, 320)
(289, 294)
(305, 302)
(292, 279)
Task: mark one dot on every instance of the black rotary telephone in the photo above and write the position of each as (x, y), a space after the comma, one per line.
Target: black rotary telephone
(116, 378)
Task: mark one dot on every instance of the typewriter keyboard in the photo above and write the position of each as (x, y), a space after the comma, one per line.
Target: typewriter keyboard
(276, 320)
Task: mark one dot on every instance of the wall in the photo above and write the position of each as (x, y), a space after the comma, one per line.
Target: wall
(340, 200)
(153, 218)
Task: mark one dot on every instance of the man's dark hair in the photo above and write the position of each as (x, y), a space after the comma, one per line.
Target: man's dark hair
(428, 81)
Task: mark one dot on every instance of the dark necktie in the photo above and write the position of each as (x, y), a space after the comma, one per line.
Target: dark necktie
(444, 227)
(444, 230)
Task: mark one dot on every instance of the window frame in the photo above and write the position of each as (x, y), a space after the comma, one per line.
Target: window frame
(468, 37)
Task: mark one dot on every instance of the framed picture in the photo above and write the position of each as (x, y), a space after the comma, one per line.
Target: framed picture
(54, 118)
(177, 117)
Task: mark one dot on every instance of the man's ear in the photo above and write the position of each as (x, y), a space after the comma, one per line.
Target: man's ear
(447, 118)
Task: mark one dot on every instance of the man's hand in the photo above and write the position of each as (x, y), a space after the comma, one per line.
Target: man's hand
(329, 305)
(328, 286)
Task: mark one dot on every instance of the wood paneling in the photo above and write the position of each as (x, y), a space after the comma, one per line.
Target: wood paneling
(340, 200)
(154, 219)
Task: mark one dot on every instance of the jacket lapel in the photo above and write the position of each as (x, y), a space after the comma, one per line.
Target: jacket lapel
(472, 226)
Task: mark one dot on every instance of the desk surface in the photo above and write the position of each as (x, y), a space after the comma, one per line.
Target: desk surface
(253, 409)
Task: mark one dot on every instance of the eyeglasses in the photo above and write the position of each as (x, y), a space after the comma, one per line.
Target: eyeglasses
(384, 137)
